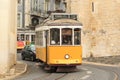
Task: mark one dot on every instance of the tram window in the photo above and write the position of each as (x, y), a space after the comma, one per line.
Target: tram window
(66, 36)
(27, 37)
(60, 17)
(22, 37)
(77, 36)
(32, 38)
(55, 36)
(36, 38)
(39, 38)
(18, 37)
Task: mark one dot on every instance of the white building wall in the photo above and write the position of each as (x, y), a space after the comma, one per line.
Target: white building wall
(8, 16)
(19, 17)
(27, 12)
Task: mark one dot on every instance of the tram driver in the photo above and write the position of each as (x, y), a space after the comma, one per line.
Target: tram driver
(66, 40)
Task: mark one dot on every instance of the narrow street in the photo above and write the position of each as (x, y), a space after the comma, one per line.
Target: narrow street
(85, 72)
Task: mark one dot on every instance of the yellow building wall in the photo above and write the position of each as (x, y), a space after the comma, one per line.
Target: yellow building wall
(101, 27)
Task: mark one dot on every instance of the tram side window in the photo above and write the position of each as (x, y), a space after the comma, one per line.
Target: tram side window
(66, 36)
(27, 40)
(22, 37)
(77, 36)
(55, 36)
(27, 37)
(36, 38)
(39, 38)
(18, 37)
(32, 38)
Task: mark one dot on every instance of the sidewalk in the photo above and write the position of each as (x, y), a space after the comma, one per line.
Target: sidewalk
(16, 70)
(108, 60)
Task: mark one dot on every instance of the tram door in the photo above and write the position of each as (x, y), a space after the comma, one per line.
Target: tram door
(46, 43)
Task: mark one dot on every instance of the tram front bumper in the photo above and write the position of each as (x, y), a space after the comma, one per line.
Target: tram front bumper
(66, 61)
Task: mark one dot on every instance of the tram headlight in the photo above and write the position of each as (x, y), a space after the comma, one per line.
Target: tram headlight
(67, 56)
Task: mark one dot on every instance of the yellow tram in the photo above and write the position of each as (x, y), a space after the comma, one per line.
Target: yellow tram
(58, 42)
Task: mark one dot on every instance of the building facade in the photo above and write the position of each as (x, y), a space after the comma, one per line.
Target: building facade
(25, 33)
(32, 13)
(100, 36)
(101, 21)
(40, 9)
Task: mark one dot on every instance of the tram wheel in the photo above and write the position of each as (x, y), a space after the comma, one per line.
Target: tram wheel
(50, 68)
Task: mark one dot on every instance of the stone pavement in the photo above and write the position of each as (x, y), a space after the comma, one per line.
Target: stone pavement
(15, 71)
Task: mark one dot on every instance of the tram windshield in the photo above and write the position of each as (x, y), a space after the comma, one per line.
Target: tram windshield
(67, 36)
(77, 36)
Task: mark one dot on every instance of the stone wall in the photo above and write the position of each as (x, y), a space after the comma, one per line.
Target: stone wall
(101, 26)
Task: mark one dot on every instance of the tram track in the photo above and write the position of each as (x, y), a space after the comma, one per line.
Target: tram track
(42, 77)
(116, 76)
(85, 72)
(52, 76)
(55, 76)
(61, 76)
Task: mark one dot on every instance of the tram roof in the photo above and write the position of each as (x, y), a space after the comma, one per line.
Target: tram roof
(61, 22)
(49, 27)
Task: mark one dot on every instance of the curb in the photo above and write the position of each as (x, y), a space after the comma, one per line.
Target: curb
(100, 64)
(17, 74)
(116, 76)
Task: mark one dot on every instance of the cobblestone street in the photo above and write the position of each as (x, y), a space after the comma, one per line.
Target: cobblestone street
(86, 71)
